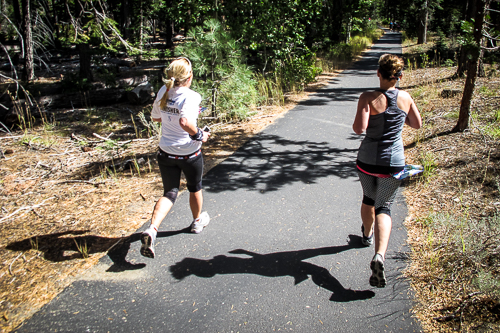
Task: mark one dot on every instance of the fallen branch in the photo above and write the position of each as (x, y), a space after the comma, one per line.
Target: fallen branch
(11, 137)
(103, 138)
(75, 137)
(13, 261)
(25, 208)
(81, 181)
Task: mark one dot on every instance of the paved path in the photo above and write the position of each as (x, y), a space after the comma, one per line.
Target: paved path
(282, 253)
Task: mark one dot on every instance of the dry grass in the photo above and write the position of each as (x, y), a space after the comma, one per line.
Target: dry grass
(449, 241)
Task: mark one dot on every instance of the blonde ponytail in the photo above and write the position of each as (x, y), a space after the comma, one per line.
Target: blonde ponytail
(178, 73)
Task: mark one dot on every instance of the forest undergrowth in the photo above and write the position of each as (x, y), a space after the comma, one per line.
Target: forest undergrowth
(454, 222)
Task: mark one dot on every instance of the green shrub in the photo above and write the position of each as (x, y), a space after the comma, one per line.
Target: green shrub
(449, 63)
(296, 72)
(428, 161)
(221, 75)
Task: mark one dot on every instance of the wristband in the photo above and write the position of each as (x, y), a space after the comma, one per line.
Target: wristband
(198, 136)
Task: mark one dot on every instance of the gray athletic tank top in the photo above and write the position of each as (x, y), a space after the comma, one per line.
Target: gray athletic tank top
(383, 144)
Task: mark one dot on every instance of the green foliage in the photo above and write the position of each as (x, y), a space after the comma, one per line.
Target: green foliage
(425, 60)
(296, 72)
(449, 63)
(225, 82)
(428, 161)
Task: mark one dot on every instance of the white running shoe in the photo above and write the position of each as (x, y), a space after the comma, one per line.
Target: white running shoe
(200, 223)
(378, 276)
(148, 238)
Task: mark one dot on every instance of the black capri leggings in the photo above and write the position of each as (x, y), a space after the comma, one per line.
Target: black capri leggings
(170, 170)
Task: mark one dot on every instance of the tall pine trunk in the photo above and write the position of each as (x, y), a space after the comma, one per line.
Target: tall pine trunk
(29, 71)
(470, 11)
(472, 67)
(422, 27)
(85, 62)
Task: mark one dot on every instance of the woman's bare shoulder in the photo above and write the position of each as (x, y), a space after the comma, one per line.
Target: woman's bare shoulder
(370, 95)
(404, 94)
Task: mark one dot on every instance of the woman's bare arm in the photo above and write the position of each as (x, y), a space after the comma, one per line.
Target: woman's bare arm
(191, 128)
(414, 119)
(362, 115)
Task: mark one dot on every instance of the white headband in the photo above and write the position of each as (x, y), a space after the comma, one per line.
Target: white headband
(172, 79)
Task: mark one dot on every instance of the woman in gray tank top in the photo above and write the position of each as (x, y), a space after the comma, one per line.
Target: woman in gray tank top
(381, 114)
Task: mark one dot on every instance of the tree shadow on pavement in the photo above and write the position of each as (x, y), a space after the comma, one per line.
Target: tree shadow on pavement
(277, 264)
(268, 162)
(63, 246)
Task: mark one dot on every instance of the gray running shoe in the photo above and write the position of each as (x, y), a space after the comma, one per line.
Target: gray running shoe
(198, 225)
(148, 238)
(378, 276)
(367, 241)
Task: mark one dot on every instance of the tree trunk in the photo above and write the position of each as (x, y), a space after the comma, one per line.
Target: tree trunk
(141, 34)
(17, 15)
(472, 67)
(422, 27)
(29, 71)
(464, 52)
(85, 62)
(125, 20)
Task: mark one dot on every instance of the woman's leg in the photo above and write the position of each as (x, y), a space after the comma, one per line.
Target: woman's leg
(386, 192)
(162, 207)
(193, 170)
(368, 218)
(383, 226)
(369, 185)
(171, 178)
(196, 203)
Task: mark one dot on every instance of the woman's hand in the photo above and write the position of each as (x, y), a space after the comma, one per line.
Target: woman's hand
(206, 135)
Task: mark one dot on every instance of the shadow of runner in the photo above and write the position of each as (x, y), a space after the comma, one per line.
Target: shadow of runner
(119, 252)
(288, 263)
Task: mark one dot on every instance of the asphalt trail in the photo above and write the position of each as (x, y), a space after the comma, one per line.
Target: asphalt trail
(283, 250)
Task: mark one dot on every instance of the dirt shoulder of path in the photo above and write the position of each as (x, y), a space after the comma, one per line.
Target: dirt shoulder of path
(453, 228)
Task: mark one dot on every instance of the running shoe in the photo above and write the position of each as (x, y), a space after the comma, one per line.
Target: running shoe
(378, 276)
(148, 238)
(367, 241)
(200, 223)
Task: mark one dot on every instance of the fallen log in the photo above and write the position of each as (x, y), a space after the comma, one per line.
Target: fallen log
(132, 81)
(120, 62)
(141, 94)
(97, 98)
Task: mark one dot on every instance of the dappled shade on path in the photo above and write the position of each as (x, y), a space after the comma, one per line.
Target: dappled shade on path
(258, 167)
